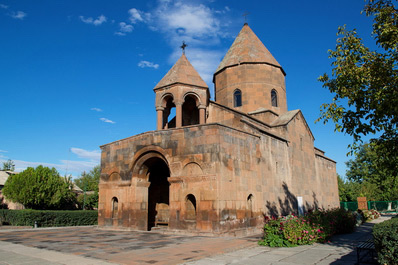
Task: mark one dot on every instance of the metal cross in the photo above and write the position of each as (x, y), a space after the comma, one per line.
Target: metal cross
(183, 47)
(245, 15)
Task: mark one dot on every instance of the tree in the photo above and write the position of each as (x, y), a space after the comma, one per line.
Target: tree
(89, 182)
(367, 80)
(368, 170)
(40, 188)
(9, 165)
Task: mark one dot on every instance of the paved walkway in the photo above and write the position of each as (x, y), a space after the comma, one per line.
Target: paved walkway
(88, 245)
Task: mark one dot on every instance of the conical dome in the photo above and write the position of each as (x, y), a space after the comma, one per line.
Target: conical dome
(247, 48)
(182, 72)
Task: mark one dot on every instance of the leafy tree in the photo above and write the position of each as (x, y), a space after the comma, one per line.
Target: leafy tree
(40, 188)
(350, 190)
(368, 169)
(367, 80)
(89, 182)
(9, 165)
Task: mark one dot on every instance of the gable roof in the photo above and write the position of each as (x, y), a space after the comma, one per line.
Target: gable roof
(287, 117)
(182, 72)
(247, 48)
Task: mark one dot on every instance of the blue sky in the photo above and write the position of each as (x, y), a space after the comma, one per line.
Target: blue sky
(75, 75)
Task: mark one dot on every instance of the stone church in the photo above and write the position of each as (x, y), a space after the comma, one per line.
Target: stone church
(218, 166)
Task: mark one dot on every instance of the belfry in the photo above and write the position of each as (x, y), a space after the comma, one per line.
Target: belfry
(218, 166)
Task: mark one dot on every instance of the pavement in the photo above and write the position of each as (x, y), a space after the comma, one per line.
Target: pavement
(90, 245)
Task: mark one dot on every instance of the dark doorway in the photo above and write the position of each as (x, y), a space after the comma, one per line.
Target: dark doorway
(158, 191)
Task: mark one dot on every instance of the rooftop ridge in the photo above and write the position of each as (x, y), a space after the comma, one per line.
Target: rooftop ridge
(182, 72)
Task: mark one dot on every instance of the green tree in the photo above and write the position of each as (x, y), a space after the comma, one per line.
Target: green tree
(88, 182)
(364, 84)
(40, 188)
(9, 165)
(366, 80)
(367, 169)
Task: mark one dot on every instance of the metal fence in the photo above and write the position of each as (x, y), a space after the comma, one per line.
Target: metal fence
(381, 206)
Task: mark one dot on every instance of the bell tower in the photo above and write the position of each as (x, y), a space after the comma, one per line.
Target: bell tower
(249, 79)
(183, 89)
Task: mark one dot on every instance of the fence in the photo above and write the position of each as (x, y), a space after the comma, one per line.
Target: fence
(381, 206)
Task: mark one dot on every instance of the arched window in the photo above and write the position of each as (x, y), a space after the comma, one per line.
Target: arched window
(190, 111)
(115, 203)
(190, 205)
(237, 98)
(274, 98)
(250, 204)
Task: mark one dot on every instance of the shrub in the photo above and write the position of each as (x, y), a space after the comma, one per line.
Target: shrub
(48, 218)
(370, 215)
(316, 226)
(291, 231)
(385, 237)
(334, 221)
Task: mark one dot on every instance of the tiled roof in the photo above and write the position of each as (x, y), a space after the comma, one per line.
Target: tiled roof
(182, 72)
(247, 48)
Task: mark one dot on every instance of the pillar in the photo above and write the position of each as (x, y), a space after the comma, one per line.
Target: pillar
(178, 115)
(159, 111)
(202, 114)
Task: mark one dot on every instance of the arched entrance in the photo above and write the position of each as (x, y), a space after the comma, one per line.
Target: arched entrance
(158, 191)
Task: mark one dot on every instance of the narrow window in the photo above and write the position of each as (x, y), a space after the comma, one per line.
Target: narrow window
(274, 98)
(114, 207)
(237, 98)
(250, 204)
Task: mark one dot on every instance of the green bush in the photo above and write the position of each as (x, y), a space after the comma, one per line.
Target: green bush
(291, 231)
(315, 226)
(334, 221)
(48, 218)
(385, 237)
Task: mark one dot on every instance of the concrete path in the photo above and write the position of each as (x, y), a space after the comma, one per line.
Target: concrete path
(341, 250)
(89, 245)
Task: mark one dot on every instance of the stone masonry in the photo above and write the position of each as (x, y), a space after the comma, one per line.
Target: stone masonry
(218, 166)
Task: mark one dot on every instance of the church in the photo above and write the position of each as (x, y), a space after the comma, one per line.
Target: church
(219, 166)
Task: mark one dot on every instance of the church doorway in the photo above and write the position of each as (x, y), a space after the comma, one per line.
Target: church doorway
(158, 192)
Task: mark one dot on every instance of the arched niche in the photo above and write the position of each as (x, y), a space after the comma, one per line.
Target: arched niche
(114, 207)
(190, 207)
(192, 169)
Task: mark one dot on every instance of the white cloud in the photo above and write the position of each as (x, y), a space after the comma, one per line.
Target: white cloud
(3, 6)
(94, 155)
(96, 22)
(144, 64)
(124, 28)
(138, 16)
(18, 15)
(107, 120)
(3, 151)
(96, 109)
(200, 26)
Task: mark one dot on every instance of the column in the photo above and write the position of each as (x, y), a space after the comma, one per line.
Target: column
(178, 115)
(159, 112)
(202, 114)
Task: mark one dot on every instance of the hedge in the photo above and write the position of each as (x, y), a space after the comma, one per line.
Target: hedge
(47, 218)
(385, 237)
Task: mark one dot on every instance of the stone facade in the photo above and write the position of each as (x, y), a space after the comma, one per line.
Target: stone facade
(218, 166)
